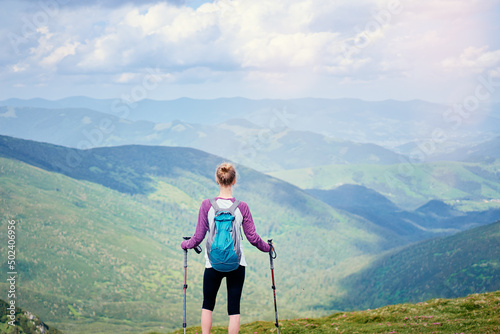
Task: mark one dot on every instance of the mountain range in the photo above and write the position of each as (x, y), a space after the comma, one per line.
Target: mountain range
(101, 230)
(431, 219)
(103, 191)
(467, 186)
(268, 135)
(487, 151)
(236, 139)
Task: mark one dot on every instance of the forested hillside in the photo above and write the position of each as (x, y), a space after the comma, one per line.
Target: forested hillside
(100, 238)
(450, 267)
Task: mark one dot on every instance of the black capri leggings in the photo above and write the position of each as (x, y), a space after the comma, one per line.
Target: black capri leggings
(234, 282)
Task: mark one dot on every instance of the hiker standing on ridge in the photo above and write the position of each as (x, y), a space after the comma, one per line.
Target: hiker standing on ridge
(230, 261)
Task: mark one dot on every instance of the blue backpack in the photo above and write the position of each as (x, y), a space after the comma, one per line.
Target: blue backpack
(223, 244)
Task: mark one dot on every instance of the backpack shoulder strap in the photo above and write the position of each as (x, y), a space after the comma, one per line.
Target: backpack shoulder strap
(217, 208)
(233, 207)
(214, 204)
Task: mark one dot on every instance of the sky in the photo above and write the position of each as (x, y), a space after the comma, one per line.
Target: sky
(441, 51)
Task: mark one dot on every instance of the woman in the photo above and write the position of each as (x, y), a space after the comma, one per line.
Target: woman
(225, 176)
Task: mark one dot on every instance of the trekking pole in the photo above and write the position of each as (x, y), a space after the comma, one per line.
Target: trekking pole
(184, 324)
(272, 256)
(198, 250)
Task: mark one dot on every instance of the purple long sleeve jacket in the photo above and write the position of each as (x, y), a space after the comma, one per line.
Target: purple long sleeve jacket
(247, 224)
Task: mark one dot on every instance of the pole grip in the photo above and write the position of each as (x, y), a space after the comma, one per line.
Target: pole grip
(197, 249)
(270, 243)
(271, 251)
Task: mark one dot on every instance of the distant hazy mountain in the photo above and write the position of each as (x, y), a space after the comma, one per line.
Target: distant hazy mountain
(240, 140)
(468, 186)
(484, 152)
(408, 126)
(431, 219)
(437, 209)
(352, 196)
(184, 109)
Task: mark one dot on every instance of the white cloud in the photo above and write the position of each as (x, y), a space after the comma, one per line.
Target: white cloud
(126, 77)
(234, 42)
(154, 18)
(474, 59)
(162, 126)
(19, 67)
(286, 50)
(59, 54)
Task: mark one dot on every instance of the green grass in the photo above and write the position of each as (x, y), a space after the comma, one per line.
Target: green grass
(477, 313)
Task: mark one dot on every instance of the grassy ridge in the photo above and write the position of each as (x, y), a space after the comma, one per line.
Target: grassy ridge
(466, 185)
(477, 313)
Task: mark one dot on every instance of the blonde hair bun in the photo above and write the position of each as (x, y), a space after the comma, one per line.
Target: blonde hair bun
(225, 174)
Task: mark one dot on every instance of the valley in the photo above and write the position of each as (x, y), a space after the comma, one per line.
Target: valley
(102, 200)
